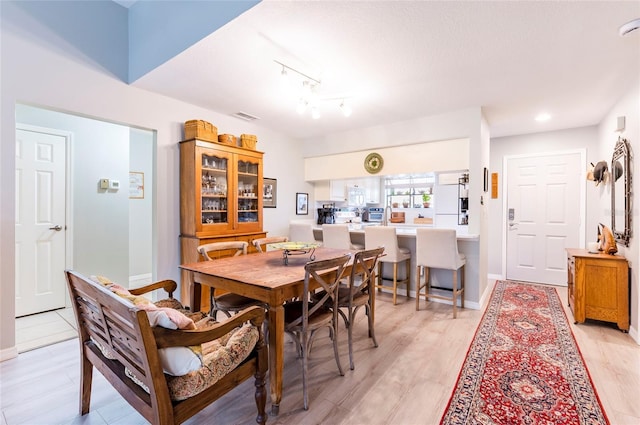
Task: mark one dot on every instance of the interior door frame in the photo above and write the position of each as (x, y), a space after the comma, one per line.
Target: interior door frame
(582, 152)
(68, 137)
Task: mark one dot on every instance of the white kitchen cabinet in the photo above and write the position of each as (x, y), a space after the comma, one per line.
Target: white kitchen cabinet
(337, 190)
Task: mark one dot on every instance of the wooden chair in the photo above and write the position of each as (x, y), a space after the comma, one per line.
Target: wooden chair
(226, 303)
(438, 248)
(385, 236)
(263, 242)
(303, 318)
(337, 236)
(360, 293)
(117, 339)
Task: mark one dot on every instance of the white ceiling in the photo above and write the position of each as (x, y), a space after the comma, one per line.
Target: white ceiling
(401, 60)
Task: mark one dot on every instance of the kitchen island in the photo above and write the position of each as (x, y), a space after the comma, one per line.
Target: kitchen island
(468, 244)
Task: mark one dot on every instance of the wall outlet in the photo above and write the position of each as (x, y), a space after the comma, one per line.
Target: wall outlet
(104, 183)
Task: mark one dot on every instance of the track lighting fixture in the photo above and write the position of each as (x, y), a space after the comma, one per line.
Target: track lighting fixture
(309, 96)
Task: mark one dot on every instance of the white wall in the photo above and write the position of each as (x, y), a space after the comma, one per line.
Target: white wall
(43, 70)
(628, 107)
(142, 149)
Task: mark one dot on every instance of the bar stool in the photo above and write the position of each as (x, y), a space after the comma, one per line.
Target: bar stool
(438, 248)
(337, 236)
(301, 232)
(377, 236)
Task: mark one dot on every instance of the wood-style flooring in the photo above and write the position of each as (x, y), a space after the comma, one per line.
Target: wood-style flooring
(408, 379)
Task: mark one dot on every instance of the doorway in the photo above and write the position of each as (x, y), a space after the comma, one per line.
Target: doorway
(544, 214)
(108, 231)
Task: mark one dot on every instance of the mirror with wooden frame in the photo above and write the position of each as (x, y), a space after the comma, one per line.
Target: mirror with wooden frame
(621, 192)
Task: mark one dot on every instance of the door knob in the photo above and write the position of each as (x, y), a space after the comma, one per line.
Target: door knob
(57, 228)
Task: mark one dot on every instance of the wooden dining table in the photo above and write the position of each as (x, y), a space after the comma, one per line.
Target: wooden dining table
(264, 277)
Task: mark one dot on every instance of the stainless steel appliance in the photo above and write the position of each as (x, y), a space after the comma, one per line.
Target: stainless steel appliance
(327, 214)
(373, 215)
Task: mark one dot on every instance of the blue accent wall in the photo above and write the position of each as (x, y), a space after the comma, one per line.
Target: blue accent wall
(159, 30)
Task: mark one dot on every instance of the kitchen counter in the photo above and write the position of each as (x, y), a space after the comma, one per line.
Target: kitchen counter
(468, 244)
(402, 229)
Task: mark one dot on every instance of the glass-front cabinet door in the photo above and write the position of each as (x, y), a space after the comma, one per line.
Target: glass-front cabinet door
(214, 189)
(215, 171)
(249, 191)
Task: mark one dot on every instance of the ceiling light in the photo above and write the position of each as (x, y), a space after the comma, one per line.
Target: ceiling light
(543, 117)
(629, 26)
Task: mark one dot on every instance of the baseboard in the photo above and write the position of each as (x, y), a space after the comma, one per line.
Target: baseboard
(8, 353)
(633, 333)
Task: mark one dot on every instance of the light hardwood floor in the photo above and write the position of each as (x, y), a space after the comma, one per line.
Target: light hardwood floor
(408, 379)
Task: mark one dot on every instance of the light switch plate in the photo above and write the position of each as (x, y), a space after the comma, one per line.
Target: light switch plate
(104, 183)
(114, 184)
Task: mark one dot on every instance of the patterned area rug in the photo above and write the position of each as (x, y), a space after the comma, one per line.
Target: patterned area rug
(523, 365)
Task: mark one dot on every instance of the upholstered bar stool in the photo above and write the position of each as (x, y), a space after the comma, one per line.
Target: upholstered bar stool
(301, 232)
(438, 248)
(385, 236)
(337, 236)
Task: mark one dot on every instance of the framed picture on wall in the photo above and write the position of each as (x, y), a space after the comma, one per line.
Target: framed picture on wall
(136, 185)
(269, 193)
(302, 203)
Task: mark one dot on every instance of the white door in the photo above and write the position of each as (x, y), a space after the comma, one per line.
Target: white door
(40, 221)
(545, 198)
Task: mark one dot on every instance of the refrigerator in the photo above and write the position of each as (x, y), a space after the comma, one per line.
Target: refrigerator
(445, 205)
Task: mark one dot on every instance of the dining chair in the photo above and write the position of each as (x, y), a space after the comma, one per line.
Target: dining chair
(360, 293)
(385, 236)
(438, 248)
(226, 303)
(304, 318)
(338, 236)
(301, 232)
(263, 242)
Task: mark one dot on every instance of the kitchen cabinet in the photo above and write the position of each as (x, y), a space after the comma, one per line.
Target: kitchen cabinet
(220, 198)
(598, 287)
(338, 190)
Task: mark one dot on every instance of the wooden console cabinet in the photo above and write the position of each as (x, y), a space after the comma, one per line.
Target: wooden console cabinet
(598, 287)
(220, 200)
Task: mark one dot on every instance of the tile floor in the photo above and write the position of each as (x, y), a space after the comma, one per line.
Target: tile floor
(39, 330)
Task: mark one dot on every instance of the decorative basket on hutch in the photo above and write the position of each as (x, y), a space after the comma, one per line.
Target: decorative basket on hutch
(248, 141)
(200, 129)
(227, 139)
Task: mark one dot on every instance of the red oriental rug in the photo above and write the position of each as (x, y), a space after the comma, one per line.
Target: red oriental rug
(523, 365)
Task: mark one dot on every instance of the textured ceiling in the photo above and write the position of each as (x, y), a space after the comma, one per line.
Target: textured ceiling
(401, 60)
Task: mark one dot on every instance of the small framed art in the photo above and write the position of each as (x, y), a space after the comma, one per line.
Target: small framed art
(269, 193)
(302, 203)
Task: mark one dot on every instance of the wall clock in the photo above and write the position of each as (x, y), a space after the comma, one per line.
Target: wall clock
(373, 163)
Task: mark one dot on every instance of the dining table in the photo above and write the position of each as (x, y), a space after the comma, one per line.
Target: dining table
(272, 277)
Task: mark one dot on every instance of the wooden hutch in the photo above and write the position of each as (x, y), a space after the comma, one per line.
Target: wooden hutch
(220, 200)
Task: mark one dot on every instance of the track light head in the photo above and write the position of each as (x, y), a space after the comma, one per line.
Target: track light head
(629, 26)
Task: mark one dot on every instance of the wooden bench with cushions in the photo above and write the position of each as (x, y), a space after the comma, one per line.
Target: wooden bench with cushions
(168, 374)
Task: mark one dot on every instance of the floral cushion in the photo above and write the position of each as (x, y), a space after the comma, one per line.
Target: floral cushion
(219, 358)
(175, 360)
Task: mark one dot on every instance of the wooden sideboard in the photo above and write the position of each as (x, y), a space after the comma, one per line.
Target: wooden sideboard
(598, 287)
